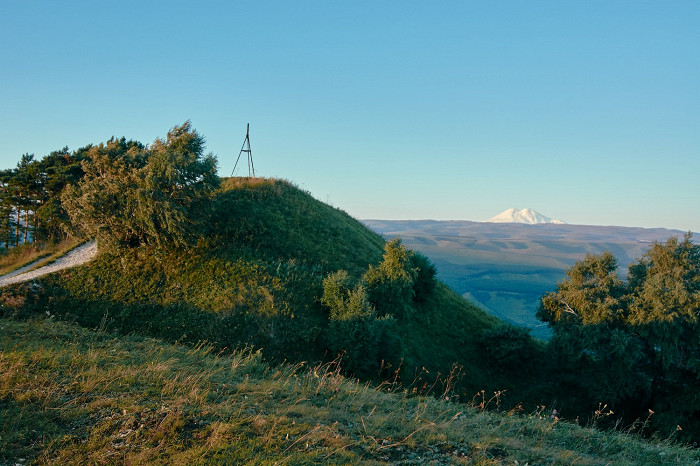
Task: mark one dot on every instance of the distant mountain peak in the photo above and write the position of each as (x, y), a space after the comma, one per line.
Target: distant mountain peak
(525, 215)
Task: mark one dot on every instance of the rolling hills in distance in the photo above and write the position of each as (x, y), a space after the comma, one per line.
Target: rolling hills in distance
(506, 267)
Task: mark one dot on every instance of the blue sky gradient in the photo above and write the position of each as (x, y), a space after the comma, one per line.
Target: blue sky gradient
(584, 111)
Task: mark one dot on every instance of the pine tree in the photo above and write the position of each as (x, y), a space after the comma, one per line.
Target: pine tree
(7, 221)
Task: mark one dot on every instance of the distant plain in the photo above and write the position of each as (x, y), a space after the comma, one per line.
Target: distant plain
(506, 267)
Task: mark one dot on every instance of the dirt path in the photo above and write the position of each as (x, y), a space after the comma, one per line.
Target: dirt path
(77, 256)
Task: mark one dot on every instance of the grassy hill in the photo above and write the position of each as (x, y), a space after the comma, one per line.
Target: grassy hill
(255, 279)
(69, 395)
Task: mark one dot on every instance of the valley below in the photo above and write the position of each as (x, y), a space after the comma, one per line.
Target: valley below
(505, 268)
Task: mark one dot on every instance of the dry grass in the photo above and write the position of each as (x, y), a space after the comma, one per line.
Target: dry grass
(36, 254)
(72, 396)
(245, 182)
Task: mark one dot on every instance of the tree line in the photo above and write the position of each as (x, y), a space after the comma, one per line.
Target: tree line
(30, 205)
(122, 192)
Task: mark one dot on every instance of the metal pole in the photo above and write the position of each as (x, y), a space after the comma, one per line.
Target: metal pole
(246, 141)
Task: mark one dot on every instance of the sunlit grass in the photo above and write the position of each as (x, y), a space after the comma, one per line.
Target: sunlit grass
(74, 396)
(38, 254)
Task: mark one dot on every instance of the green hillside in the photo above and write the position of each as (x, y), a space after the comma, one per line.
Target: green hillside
(74, 396)
(255, 278)
(277, 221)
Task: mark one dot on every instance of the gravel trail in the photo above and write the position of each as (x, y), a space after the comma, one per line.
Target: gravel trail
(77, 256)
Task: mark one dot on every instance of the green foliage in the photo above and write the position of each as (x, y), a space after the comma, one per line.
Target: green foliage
(354, 331)
(6, 227)
(132, 195)
(390, 284)
(401, 279)
(366, 339)
(103, 204)
(665, 283)
(56, 171)
(342, 302)
(53, 220)
(510, 348)
(633, 344)
(590, 294)
(30, 206)
(175, 187)
(424, 285)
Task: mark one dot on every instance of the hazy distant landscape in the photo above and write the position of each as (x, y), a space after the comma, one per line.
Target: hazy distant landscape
(505, 268)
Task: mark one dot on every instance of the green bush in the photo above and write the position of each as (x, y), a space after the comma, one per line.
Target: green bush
(390, 284)
(510, 348)
(355, 332)
(424, 285)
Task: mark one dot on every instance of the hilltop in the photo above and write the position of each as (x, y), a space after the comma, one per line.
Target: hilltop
(187, 256)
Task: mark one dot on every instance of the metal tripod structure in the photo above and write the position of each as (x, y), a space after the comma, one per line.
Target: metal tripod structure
(246, 148)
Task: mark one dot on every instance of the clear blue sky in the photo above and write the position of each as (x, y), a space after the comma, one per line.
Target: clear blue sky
(587, 111)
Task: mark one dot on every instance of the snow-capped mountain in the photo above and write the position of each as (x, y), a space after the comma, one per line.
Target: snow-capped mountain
(525, 215)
